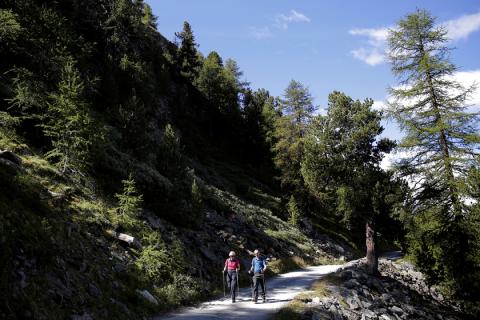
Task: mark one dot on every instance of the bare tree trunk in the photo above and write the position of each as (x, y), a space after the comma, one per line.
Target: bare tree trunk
(372, 258)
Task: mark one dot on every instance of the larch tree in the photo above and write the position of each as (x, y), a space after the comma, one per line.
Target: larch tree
(442, 137)
(297, 110)
(442, 146)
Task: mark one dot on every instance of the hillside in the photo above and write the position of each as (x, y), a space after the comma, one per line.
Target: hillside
(130, 165)
(187, 197)
(60, 261)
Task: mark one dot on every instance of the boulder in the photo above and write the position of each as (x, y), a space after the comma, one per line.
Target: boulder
(131, 241)
(11, 157)
(148, 296)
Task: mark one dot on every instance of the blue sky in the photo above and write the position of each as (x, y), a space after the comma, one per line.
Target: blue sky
(327, 45)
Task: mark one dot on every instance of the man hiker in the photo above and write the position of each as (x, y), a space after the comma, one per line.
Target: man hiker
(232, 267)
(258, 268)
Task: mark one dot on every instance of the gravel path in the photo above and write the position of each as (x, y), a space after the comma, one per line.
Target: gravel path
(280, 290)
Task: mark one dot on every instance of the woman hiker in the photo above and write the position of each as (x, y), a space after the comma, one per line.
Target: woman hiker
(232, 267)
(259, 265)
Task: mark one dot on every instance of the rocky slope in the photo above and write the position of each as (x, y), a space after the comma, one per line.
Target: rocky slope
(400, 292)
(64, 260)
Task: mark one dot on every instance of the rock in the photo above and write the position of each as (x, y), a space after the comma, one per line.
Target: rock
(94, 291)
(351, 284)
(119, 268)
(11, 157)
(354, 302)
(153, 221)
(134, 242)
(84, 316)
(396, 310)
(345, 275)
(148, 296)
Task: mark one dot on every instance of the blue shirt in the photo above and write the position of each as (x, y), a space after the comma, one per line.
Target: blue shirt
(258, 264)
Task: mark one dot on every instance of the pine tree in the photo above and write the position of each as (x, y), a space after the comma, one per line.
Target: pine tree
(187, 55)
(70, 125)
(297, 110)
(341, 164)
(442, 137)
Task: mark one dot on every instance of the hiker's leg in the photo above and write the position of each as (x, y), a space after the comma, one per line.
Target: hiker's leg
(262, 283)
(234, 285)
(255, 287)
(229, 279)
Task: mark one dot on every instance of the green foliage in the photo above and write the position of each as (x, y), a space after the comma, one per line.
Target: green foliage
(442, 137)
(293, 211)
(69, 124)
(154, 264)
(10, 28)
(186, 56)
(7, 124)
(341, 165)
(182, 289)
(342, 156)
(297, 110)
(148, 17)
(442, 144)
(171, 161)
(129, 204)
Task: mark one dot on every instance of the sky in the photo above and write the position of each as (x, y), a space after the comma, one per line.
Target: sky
(326, 45)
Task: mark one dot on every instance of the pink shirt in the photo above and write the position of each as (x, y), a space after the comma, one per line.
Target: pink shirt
(232, 264)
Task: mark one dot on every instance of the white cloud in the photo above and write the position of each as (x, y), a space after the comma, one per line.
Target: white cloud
(282, 21)
(467, 79)
(374, 53)
(261, 33)
(375, 36)
(462, 27)
(379, 105)
(371, 56)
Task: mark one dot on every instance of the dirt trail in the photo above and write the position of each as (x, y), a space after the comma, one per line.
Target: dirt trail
(280, 290)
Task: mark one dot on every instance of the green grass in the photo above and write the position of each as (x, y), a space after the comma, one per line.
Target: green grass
(298, 306)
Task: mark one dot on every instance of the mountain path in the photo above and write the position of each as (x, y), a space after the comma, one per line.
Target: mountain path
(280, 290)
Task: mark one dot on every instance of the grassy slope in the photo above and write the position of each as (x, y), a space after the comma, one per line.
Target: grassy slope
(57, 259)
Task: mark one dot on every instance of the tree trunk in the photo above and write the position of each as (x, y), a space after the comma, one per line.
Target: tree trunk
(372, 258)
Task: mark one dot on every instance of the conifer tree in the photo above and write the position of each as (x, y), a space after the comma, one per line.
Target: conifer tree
(69, 124)
(442, 137)
(294, 212)
(129, 201)
(187, 55)
(441, 146)
(297, 110)
(341, 165)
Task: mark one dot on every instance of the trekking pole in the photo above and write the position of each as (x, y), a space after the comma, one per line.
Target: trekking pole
(251, 285)
(238, 283)
(264, 285)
